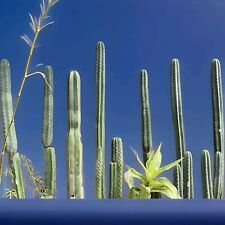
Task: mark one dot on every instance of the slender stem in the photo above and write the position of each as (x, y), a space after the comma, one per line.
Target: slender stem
(18, 99)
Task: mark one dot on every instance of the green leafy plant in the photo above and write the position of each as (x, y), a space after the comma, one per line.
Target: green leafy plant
(150, 182)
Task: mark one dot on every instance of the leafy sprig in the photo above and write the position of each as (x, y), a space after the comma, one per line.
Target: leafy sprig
(149, 181)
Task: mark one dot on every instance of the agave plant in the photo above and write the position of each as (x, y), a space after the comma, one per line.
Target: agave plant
(150, 182)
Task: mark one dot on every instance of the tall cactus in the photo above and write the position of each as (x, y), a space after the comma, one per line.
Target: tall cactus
(7, 113)
(218, 117)
(100, 121)
(217, 185)
(178, 124)
(75, 187)
(47, 135)
(116, 169)
(146, 117)
(207, 186)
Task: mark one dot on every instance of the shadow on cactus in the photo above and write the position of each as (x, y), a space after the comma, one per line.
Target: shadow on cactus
(150, 182)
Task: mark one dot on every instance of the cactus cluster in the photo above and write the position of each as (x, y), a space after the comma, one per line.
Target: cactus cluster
(213, 188)
(183, 174)
(212, 180)
(15, 164)
(7, 113)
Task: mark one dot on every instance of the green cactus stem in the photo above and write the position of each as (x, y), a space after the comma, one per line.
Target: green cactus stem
(75, 187)
(217, 187)
(188, 176)
(117, 157)
(100, 121)
(218, 117)
(7, 106)
(178, 179)
(47, 124)
(50, 172)
(113, 180)
(7, 113)
(177, 112)
(18, 176)
(207, 186)
(146, 115)
(47, 134)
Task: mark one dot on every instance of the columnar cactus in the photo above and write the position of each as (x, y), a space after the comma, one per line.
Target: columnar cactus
(218, 117)
(207, 186)
(47, 135)
(188, 188)
(217, 189)
(186, 166)
(146, 115)
(100, 121)
(75, 187)
(7, 113)
(178, 179)
(116, 169)
(112, 182)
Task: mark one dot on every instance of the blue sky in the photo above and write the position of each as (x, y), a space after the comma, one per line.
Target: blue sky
(137, 34)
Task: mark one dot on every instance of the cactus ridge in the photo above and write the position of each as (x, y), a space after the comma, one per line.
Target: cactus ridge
(146, 115)
(100, 120)
(74, 145)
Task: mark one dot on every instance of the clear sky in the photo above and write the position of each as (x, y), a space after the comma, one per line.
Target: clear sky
(137, 34)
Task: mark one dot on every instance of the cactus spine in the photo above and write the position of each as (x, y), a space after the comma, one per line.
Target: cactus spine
(100, 121)
(47, 135)
(7, 113)
(75, 187)
(146, 117)
(116, 169)
(178, 124)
